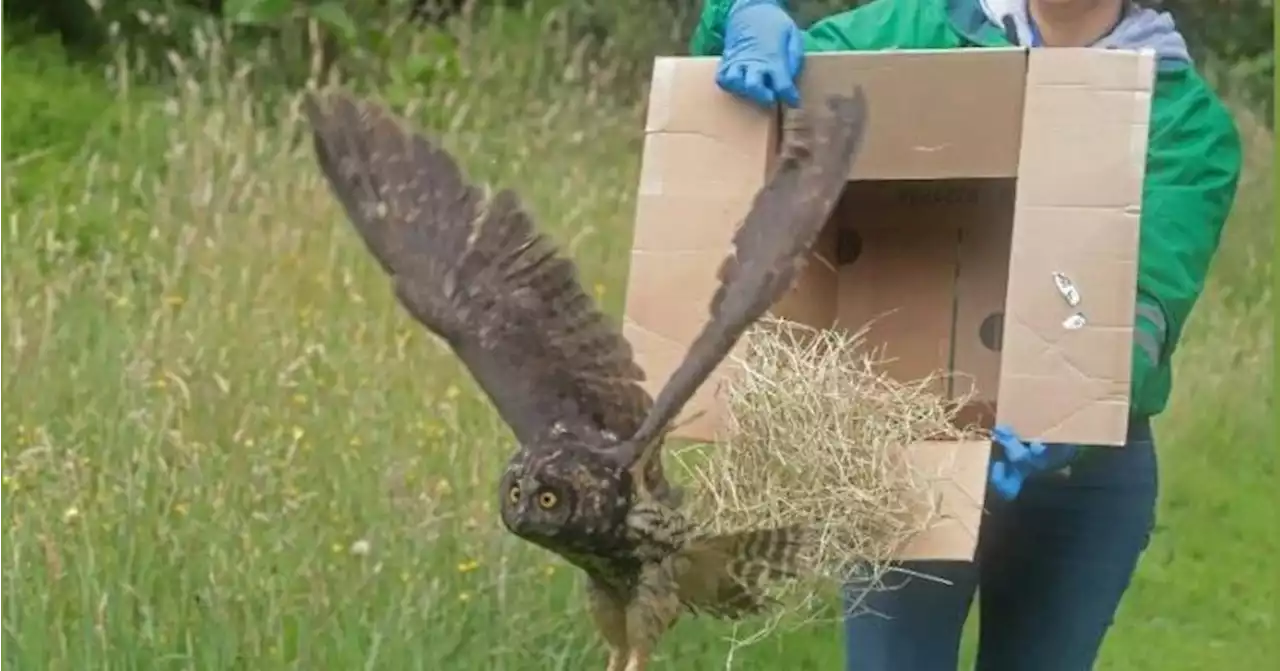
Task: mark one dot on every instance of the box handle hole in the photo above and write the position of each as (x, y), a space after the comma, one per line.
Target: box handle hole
(991, 332)
(848, 247)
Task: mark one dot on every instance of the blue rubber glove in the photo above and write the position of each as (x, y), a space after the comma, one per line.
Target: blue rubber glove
(763, 53)
(1021, 460)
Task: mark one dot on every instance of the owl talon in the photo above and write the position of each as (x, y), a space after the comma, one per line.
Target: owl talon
(637, 660)
(618, 660)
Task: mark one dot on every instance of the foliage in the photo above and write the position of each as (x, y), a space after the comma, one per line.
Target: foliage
(230, 457)
(226, 447)
(63, 119)
(1232, 38)
(1235, 41)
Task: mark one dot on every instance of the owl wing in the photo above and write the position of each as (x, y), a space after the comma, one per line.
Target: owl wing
(770, 247)
(726, 575)
(474, 271)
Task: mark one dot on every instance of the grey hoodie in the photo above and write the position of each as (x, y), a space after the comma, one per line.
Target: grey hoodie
(1140, 28)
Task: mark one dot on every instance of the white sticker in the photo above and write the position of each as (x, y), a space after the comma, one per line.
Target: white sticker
(1067, 288)
(1074, 322)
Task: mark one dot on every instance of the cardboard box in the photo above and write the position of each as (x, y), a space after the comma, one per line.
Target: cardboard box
(983, 173)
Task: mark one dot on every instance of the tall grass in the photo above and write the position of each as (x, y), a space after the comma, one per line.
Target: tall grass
(225, 446)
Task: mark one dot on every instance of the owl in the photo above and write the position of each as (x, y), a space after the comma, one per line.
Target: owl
(586, 481)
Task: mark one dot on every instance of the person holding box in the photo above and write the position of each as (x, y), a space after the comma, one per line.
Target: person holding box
(1069, 523)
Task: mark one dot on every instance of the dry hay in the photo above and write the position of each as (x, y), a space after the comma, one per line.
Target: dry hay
(815, 436)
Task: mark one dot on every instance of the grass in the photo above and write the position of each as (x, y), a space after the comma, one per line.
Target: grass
(225, 446)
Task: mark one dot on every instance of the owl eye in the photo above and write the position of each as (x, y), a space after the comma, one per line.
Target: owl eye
(513, 494)
(548, 499)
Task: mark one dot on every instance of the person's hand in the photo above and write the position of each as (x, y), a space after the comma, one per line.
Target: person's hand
(763, 54)
(1021, 460)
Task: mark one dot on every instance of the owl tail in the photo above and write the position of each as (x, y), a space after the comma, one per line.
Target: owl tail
(724, 575)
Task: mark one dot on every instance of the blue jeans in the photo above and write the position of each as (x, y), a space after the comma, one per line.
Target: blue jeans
(1051, 568)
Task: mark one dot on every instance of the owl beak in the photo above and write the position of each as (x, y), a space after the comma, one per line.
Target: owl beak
(520, 525)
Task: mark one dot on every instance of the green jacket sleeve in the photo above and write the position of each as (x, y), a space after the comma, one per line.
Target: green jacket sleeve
(884, 24)
(708, 35)
(909, 24)
(1193, 167)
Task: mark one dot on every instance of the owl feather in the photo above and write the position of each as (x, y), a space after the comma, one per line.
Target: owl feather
(471, 268)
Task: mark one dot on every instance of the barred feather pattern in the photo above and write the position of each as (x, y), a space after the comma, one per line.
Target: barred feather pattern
(471, 268)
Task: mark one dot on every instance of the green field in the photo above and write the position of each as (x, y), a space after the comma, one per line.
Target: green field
(225, 446)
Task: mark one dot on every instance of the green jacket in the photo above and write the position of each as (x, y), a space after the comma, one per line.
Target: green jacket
(1193, 162)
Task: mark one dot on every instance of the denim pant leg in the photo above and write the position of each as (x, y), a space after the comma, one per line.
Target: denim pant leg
(915, 624)
(1056, 561)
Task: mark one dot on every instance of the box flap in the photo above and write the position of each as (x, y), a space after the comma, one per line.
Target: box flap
(958, 471)
(931, 113)
(1065, 370)
(706, 154)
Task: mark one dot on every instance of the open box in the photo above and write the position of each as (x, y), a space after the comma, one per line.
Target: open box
(989, 231)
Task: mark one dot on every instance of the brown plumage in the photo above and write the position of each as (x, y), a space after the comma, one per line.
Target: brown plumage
(586, 481)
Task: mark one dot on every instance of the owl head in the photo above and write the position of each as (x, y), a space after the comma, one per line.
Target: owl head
(564, 493)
